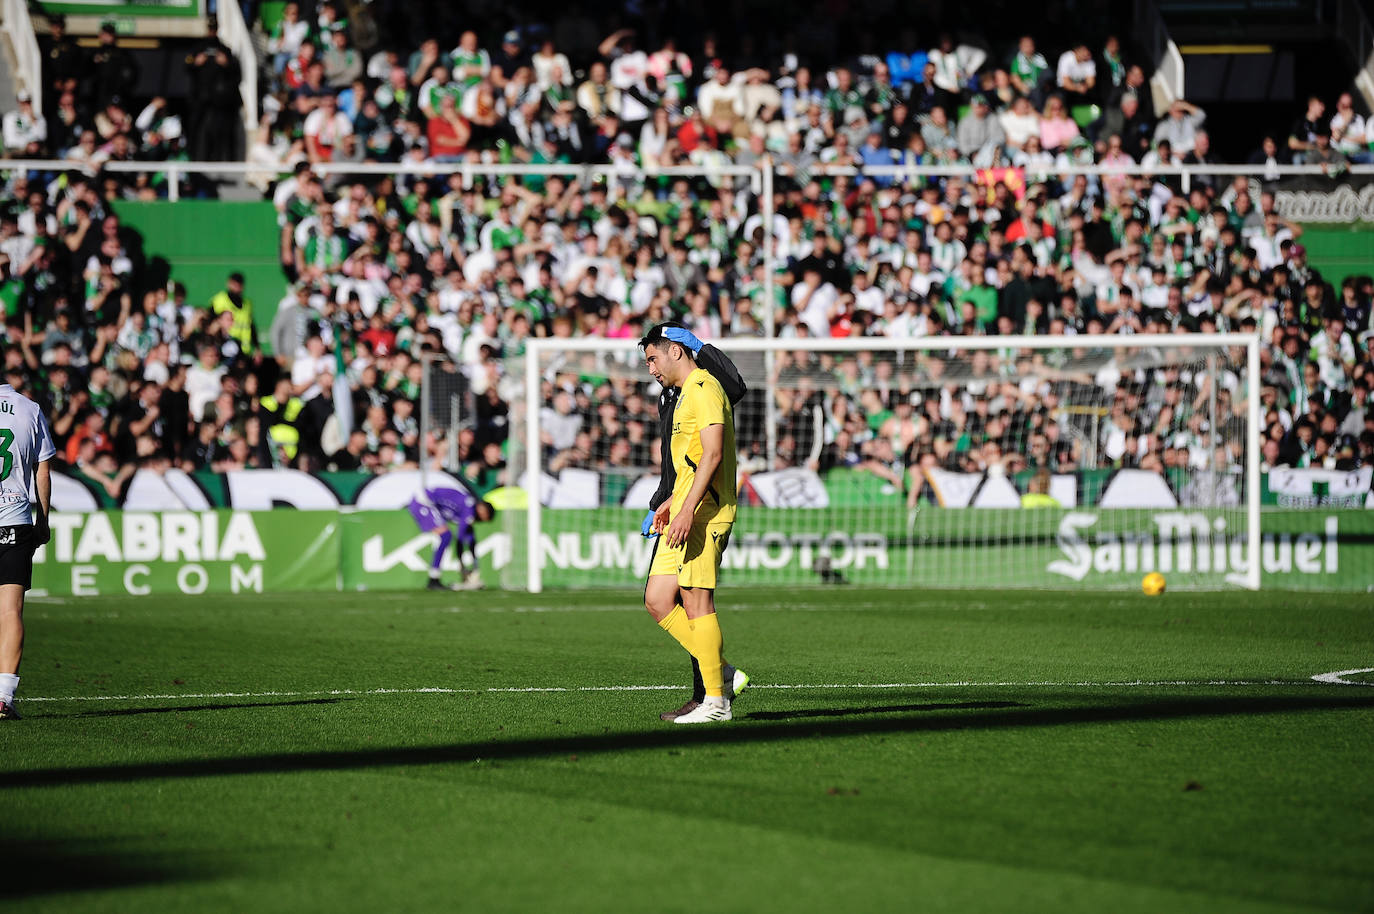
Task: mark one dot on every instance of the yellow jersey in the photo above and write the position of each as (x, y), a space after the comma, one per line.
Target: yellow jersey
(702, 403)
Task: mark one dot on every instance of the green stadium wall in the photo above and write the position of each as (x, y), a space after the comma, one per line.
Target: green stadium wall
(200, 242)
(1340, 250)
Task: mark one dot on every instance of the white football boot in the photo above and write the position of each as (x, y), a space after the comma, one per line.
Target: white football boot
(709, 711)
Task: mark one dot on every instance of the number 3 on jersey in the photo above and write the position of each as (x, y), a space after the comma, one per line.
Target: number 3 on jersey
(6, 456)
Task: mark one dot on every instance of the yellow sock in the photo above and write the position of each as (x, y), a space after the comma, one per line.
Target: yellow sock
(679, 626)
(708, 646)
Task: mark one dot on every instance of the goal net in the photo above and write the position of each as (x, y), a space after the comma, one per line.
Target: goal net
(984, 462)
(446, 420)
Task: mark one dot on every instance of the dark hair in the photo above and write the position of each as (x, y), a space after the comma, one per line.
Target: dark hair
(655, 335)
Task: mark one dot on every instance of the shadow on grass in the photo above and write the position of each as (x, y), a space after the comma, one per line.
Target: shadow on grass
(45, 866)
(806, 713)
(741, 731)
(125, 712)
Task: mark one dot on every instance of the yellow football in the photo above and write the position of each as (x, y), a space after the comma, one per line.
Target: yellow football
(1153, 584)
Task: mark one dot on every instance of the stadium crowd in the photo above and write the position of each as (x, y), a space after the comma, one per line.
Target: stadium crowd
(382, 269)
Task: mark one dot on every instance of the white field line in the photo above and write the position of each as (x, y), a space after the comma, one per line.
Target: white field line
(1320, 679)
(408, 610)
(630, 608)
(1338, 677)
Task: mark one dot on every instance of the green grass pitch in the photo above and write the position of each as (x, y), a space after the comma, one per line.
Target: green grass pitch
(1025, 752)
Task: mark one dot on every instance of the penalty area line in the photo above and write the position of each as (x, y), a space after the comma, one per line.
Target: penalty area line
(1338, 677)
(1320, 679)
(274, 694)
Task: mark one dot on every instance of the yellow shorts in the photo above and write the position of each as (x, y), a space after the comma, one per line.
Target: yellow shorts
(695, 562)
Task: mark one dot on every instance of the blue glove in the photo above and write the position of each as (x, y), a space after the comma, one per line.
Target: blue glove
(647, 528)
(683, 337)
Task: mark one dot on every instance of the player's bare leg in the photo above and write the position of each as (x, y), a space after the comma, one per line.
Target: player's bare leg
(661, 596)
(11, 645)
(700, 603)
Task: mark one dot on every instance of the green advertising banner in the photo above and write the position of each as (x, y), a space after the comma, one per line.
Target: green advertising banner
(384, 550)
(225, 551)
(190, 552)
(122, 10)
(934, 547)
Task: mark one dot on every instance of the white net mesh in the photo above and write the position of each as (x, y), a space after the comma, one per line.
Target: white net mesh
(447, 423)
(1071, 466)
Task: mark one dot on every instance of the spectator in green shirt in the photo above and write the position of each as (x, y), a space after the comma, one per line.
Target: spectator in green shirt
(11, 288)
(983, 297)
(1027, 70)
(844, 97)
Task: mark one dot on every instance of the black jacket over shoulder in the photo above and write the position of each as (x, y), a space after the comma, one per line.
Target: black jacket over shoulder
(724, 371)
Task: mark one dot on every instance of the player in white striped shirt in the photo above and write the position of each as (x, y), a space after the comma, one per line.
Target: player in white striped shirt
(26, 452)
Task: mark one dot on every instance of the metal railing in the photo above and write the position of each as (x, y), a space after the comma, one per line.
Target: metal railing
(435, 169)
(761, 174)
(1185, 173)
(28, 61)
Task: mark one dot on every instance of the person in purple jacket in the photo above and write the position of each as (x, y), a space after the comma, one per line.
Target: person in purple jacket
(434, 511)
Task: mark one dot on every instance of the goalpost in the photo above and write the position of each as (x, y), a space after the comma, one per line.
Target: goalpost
(984, 461)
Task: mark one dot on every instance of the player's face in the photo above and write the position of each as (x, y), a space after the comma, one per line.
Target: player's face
(666, 363)
(656, 363)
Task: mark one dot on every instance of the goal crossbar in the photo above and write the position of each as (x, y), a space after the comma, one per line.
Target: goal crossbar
(918, 343)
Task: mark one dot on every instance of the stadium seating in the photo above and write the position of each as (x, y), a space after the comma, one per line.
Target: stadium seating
(377, 269)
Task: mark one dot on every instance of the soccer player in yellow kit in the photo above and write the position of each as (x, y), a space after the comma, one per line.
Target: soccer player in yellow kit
(661, 591)
(696, 523)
